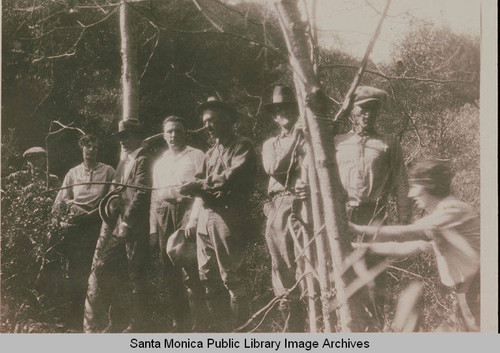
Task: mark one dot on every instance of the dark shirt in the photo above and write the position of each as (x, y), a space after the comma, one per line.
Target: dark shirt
(230, 171)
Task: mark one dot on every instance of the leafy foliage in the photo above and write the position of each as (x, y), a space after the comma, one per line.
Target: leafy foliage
(61, 61)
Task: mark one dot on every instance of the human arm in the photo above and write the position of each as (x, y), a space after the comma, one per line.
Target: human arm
(190, 228)
(141, 199)
(276, 164)
(392, 248)
(401, 233)
(64, 196)
(237, 171)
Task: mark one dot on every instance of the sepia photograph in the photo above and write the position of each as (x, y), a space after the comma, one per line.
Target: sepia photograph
(244, 166)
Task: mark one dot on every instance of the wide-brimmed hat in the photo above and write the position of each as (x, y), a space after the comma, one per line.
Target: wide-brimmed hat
(34, 151)
(369, 95)
(180, 250)
(283, 96)
(215, 103)
(132, 126)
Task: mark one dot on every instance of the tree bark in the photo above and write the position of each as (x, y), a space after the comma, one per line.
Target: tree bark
(351, 316)
(128, 51)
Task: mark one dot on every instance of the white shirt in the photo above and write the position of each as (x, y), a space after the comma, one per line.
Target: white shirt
(171, 171)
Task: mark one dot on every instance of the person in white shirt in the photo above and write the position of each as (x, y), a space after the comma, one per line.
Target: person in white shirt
(451, 231)
(171, 211)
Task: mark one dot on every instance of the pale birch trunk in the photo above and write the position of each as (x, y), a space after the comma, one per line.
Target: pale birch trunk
(351, 315)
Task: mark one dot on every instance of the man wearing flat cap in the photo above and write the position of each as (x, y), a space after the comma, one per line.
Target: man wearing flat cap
(35, 159)
(127, 238)
(172, 212)
(371, 165)
(222, 224)
(283, 158)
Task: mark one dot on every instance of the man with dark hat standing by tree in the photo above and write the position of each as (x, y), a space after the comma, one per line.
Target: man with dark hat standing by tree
(282, 157)
(371, 167)
(222, 224)
(129, 235)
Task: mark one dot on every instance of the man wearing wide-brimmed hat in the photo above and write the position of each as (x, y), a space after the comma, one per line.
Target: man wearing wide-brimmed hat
(371, 166)
(283, 159)
(223, 227)
(127, 238)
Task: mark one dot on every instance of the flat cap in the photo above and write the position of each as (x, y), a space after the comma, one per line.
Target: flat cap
(366, 94)
(34, 150)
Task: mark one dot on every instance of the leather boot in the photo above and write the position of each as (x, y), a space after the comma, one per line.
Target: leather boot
(239, 312)
(219, 311)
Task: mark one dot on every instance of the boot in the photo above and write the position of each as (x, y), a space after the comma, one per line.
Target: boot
(219, 311)
(239, 312)
(199, 311)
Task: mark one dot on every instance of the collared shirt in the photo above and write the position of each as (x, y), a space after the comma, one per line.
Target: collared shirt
(370, 167)
(283, 173)
(86, 197)
(170, 171)
(129, 163)
(455, 230)
(230, 168)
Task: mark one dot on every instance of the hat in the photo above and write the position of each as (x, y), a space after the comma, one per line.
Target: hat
(282, 96)
(34, 150)
(365, 94)
(180, 250)
(215, 103)
(130, 126)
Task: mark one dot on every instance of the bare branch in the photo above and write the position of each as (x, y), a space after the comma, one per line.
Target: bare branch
(216, 26)
(359, 74)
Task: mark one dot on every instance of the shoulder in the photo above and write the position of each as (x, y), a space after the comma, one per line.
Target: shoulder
(195, 152)
(107, 168)
(75, 170)
(342, 138)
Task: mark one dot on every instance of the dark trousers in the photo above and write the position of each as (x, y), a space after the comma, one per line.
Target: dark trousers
(78, 246)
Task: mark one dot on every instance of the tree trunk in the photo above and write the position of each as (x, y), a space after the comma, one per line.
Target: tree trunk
(128, 50)
(351, 315)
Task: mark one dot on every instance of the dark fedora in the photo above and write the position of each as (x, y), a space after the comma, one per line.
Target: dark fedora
(132, 126)
(369, 95)
(217, 104)
(180, 250)
(283, 96)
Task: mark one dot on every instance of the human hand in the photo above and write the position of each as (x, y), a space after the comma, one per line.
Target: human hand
(301, 190)
(190, 229)
(191, 188)
(124, 231)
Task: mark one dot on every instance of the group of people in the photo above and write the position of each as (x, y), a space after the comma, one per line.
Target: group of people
(193, 207)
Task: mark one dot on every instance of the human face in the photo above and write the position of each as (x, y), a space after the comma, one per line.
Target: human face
(174, 134)
(420, 195)
(364, 117)
(215, 122)
(90, 151)
(36, 161)
(285, 116)
(129, 142)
